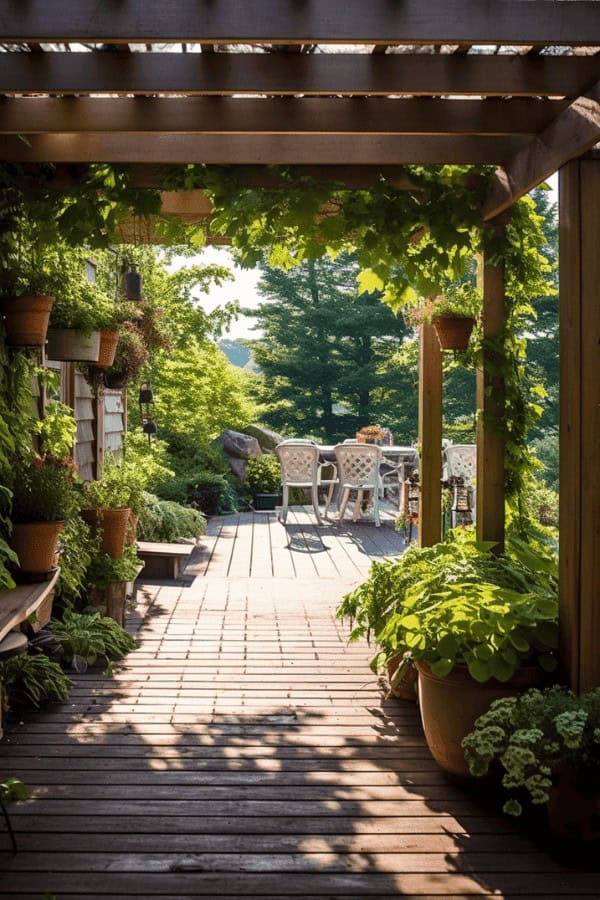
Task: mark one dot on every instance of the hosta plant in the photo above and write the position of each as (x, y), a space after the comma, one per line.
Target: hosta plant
(88, 638)
(31, 681)
(533, 738)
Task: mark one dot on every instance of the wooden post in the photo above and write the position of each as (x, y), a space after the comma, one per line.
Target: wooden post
(99, 423)
(580, 422)
(490, 405)
(430, 437)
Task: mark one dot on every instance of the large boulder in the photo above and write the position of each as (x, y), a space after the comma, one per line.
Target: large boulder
(267, 439)
(238, 445)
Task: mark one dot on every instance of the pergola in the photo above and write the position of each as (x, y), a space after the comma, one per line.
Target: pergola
(350, 91)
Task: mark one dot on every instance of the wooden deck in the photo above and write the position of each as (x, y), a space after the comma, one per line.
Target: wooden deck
(245, 750)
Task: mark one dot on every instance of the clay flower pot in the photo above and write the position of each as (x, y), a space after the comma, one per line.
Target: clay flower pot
(450, 705)
(112, 524)
(70, 344)
(26, 319)
(35, 544)
(453, 331)
(109, 338)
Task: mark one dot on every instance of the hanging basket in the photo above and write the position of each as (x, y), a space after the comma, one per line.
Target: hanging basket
(453, 331)
(109, 338)
(72, 345)
(113, 525)
(35, 544)
(26, 319)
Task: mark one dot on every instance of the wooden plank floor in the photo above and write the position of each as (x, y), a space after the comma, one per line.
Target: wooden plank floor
(245, 750)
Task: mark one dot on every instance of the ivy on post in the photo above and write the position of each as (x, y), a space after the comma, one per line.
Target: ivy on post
(491, 396)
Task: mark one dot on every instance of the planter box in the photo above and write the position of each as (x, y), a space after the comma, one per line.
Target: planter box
(71, 345)
(266, 501)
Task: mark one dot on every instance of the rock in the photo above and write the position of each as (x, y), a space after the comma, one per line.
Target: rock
(238, 467)
(238, 445)
(267, 439)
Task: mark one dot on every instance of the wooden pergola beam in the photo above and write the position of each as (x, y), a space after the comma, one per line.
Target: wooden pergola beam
(263, 149)
(575, 130)
(318, 74)
(309, 22)
(221, 115)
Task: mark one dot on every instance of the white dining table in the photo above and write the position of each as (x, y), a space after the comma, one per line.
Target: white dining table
(395, 455)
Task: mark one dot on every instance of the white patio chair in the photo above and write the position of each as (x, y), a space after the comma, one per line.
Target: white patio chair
(301, 468)
(358, 470)
(461, 463)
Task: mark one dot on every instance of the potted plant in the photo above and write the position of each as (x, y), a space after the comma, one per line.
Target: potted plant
(43, 497)
(131, 356)
(545, 748)
(26, 300)
(263, 480)
(478, 627)
(370, 434)
(453, 314)
(80, 312)
(107, 578)
(105, 507)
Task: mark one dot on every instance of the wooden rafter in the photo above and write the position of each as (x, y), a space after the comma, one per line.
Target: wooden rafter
(273, 21)
(573, 132)
(221, 115)
(326, 74)
(267, 149)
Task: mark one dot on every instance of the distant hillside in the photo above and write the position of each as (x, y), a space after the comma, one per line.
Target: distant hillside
(236, 353)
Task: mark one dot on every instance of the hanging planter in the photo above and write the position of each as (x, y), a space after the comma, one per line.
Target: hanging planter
(70, 344)
(453, 331)
(109, 338)
(26, 319)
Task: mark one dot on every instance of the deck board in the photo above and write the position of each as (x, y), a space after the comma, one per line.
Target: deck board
(244, 741)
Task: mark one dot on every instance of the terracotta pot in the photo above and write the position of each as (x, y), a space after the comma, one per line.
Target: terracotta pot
(131, 535)
(449, 707)
(407, 688)
(109, 338)
(70, 344)
(35, 544)
(26, 319)
(453, 331)
(112, 523)
(573, 812)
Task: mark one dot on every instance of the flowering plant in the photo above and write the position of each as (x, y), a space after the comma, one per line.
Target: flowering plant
(370, 433)
(534, 737)
(457, 301)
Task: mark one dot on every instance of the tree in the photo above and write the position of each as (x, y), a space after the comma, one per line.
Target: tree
(326, 355)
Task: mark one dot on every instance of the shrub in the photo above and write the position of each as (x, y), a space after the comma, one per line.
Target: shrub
(150, 460)
(541, 503)
(165, 520)
(104, 570)
(30, 681)
(263, 475)
(209, 492)
(78, 545)
(85, 638)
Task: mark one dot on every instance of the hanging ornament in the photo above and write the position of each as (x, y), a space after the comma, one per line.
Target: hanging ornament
(146, 404)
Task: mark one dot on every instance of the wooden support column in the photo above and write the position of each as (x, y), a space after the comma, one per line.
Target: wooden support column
(580, 422)
(490, 405)
(430, 437)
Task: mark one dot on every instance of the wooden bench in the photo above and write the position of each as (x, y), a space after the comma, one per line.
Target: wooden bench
(164, 560)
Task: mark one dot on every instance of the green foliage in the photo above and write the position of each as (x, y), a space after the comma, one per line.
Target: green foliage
(131, 356)
(12, 790)
(78, 545)
(210, 492)
(535, 736)
(86, 638)
(117, 489)
(43, 490)
(77, 302)
(460, 300)
(164, 520)
(31, 681)
(151, 460)
(57, 430)
(326, 354)
(263, 475)
(104, 570)
(541, 503)
(457, 602)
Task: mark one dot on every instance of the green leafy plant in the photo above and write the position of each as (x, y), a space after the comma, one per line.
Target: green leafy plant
(534, 737)
(31, 681)
(104, 570)
(78, 546)
(131, 356)
(164, 520)
(263, 475)
(112, 491)
(152, 461)
(80, 304)
(210, 492)
(43, 490)
(457, 301)
(86, 638)
(57, 430)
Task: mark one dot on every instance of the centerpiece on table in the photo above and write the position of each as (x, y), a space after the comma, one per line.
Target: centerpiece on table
(371, 434)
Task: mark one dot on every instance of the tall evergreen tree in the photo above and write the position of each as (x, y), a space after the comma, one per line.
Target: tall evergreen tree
(325, 354)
